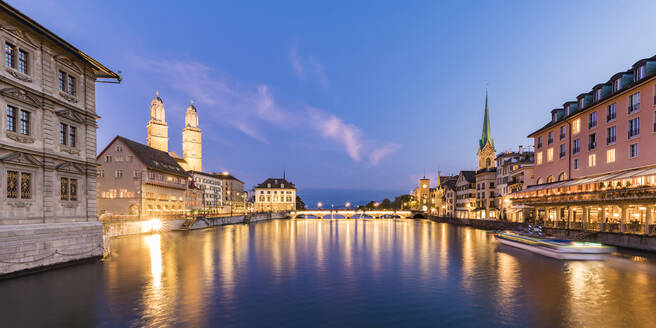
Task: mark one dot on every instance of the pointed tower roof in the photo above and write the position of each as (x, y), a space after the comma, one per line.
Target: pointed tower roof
(486, 136)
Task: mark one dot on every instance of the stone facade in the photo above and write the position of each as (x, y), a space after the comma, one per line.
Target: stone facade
(157, 129)
(47, 147)
(234, 196)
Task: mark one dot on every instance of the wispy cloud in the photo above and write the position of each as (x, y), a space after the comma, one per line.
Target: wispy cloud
(302, 65)
(381, 152)
(253, 109)
(296, 61)
(333, 128)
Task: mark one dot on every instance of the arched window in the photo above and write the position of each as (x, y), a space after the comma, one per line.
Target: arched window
(550, 179)
(540, 181)
(487, 162)
(562, 176)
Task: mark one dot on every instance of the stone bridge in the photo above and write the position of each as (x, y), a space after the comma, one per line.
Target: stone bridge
(355, 214)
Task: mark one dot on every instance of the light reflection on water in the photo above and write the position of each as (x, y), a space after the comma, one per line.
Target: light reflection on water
(312, 272)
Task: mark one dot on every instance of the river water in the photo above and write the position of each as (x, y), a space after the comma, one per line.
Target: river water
(333, 273)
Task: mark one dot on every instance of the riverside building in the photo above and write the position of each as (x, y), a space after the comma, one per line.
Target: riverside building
(47, 147)
(141, 182)
(514, 173)
(275, 195)
(595, 164)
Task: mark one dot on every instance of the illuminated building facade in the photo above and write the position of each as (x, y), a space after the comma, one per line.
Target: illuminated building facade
(140, 181)
(595, 162)
(514, 173)
(275, 195)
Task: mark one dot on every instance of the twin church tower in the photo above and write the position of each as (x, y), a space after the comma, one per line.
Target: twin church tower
(158, 135)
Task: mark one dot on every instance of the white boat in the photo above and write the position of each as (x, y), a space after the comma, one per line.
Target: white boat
(561, 249)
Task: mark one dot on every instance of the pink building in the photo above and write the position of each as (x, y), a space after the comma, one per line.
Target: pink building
(595, 161)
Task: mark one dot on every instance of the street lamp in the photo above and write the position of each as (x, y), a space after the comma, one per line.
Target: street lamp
(319, 205)
(348, 204)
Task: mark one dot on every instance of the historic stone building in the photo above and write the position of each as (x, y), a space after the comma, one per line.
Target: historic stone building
(465, 195)
(211, 185)
(275, 195)
(514, 173)
(47, 147)
(422, 194)
(486, 207)
(234, 196)
(140, 182)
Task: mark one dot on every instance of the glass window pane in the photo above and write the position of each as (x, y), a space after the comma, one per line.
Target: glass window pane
(12, 184)
(63, 190)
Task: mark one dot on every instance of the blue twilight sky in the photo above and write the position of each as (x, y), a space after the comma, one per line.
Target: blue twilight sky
(353, 94)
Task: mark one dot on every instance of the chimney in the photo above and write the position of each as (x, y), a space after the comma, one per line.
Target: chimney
(521, 149)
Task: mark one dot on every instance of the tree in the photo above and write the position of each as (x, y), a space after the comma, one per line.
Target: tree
(386, 204)
(401, 202)
(299, 203)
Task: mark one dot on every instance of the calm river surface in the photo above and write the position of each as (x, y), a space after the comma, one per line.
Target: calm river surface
(332, 273)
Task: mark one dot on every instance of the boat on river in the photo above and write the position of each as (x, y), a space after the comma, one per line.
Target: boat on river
(561, 249)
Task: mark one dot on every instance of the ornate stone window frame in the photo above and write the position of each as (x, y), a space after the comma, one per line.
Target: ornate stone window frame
(70, 68)
(79, 129)
(21, 41)
(19, 202)
(17, 136)
(68, 203)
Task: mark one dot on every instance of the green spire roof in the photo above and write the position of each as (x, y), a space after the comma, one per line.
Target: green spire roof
(487, 134)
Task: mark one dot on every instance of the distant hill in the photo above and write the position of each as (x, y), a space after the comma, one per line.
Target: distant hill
(339, 197)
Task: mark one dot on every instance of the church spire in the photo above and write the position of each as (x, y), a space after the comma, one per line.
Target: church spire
(486, 136)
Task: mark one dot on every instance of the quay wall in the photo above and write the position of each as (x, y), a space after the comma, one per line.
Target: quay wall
(625, 240)
(35, 247)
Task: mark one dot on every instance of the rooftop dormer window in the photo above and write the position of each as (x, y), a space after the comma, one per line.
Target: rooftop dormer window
(581, 102)
(640, 72)
(597, 94)
(617, 85)
(554, 116)
(566, 110)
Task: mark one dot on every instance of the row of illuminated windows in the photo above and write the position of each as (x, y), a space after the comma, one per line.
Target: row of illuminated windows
(275, 199)
(114, 193)
(275, 192)
(592, 158)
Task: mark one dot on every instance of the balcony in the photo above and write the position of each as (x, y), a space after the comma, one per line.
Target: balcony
(633, 133)
(634, 108)
(610, 140)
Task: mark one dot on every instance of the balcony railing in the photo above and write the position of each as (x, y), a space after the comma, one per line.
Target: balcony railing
(634, 132)
(634, 108)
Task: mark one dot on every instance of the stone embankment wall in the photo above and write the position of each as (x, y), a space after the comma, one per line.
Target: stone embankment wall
(33, 247)
(481, 224)
(638, 242)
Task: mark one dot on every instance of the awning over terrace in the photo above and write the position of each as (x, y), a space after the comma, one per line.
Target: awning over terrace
(618, 176)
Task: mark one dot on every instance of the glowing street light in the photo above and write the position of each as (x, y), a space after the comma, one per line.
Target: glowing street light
(319, 204)
(348, 204)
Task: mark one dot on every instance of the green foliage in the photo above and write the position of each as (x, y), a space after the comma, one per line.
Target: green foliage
(300, 205)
